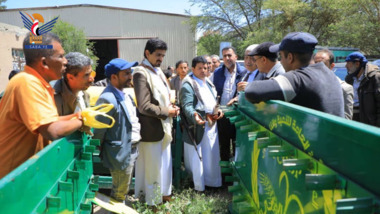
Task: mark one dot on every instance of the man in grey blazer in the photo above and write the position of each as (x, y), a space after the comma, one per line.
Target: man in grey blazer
(266, 61)
(119, 143)
(327, 57)
(181, 67)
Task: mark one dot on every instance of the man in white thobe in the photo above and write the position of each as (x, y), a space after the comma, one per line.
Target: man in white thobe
(201, 148)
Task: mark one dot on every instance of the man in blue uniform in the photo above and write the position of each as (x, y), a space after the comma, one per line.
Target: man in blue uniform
(313, 86)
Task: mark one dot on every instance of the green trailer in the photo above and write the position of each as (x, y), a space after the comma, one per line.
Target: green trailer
(57, 179)
(291, 159)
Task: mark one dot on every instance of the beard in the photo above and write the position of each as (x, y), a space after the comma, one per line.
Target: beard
(127, 84)
(353, 69)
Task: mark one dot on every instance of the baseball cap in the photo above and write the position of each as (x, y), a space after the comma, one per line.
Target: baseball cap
(299, 42)
(263, 50)
(117, 65)
(356, 56)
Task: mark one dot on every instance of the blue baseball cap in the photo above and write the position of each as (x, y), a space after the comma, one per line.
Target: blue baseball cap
(299, 42)
(117, 65)
(356, 57)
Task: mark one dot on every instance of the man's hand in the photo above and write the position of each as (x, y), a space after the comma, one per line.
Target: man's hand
(198, 119)
(86, 130)
(173, 111)
(235, 99)
(219, 115)
(241, 86)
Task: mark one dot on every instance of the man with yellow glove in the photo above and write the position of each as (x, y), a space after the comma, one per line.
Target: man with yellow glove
(118, 143)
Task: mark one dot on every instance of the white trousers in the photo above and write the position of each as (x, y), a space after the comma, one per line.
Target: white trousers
(206, 172)
(153, 176)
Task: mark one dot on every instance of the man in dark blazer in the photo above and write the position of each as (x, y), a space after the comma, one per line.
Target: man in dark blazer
(225, 79)
(119, 143)
(155, 112)
(181, 68)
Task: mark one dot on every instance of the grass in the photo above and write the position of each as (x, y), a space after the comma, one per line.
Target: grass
(187, 200)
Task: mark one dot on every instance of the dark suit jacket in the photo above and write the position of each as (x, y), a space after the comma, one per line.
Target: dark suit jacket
(175, 83)
(150, 112)
(116, 141)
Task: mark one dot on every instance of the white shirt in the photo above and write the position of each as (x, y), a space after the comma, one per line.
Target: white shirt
(135, 137)
(81, 105)
(207, 96)
(252, 75)
(229, 87)
(356, 85)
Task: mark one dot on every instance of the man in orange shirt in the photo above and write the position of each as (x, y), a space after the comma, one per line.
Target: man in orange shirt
(28, 116)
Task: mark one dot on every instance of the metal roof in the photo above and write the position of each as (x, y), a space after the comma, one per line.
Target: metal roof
(94, 5)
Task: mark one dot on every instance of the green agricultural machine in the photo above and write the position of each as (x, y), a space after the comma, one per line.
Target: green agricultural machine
(58, 179)
(290, 159)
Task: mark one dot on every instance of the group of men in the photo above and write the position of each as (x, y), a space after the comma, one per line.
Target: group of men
(33, 113)
(45, 102)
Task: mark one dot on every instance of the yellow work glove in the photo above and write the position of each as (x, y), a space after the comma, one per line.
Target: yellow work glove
(89, 116)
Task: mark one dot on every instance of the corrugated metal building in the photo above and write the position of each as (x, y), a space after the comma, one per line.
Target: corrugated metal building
(120, 32)
(11, 54)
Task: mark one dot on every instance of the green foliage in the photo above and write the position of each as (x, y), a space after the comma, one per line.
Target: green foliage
(74, 40)
(339, 23)
(2, 6)
(209, 44)
(188, 202)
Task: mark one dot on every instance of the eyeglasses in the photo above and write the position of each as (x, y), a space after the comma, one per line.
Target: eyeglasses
(254, 60)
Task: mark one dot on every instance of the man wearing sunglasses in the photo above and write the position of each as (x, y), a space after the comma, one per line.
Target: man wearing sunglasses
(70, 95)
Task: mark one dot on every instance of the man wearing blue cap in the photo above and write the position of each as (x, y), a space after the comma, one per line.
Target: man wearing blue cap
(313, 86)
(119, 143)
(365, 78)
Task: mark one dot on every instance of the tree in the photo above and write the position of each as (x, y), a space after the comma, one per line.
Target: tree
(2, 6)
(74, 40)
(341, 23)
(228, 15)
(360, 27)
(209, 44)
